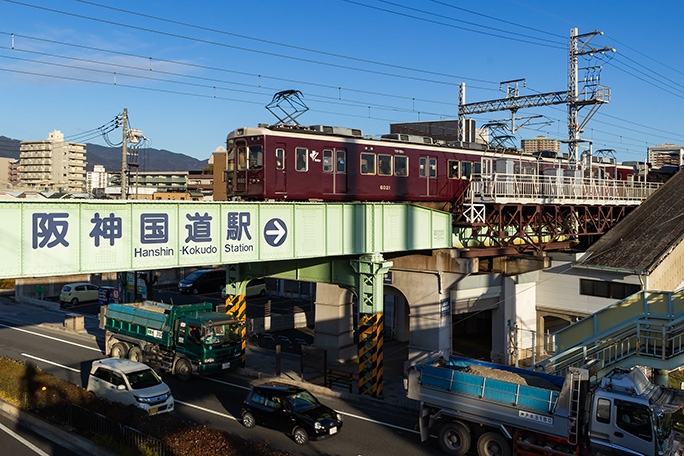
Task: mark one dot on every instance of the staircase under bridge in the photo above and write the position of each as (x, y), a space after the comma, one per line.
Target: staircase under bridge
(645, 329)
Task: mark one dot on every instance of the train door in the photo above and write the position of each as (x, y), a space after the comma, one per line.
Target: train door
(428, 171)
(280, 172)
(241, 167)
(334, 171)
(487, 175)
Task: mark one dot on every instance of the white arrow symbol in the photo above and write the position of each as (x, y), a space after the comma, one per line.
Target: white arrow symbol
(279, 232)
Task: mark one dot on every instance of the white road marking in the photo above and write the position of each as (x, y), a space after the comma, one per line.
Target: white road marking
(227, 383)
(23, 440)
(204, 409)
(50, 337)
(363, 418)
(50, 362)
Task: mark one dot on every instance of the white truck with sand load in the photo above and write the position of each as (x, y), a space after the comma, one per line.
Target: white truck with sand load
(505, 410)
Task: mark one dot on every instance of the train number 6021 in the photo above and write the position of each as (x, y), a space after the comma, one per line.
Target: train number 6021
(384, 187)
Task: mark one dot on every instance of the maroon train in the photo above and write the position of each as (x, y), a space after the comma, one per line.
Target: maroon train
(339, 164)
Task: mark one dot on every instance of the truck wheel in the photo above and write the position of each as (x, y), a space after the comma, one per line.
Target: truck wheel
(119, 350)
(183, 370)
(135, 354)
(454, 438)
(493, 444)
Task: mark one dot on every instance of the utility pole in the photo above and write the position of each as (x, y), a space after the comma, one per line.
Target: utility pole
(592, 93)
(124, 155)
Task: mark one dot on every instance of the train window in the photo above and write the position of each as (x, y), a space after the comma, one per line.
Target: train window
(256, 157)
(454, 169)
(367, 163)
(433, 167)
(400, 166)
(477, 168)
(301, 158)
(241, 158)
(230, 160)
(422, 167)
(280, 158)
(466, 170)
(384, 165)
(341, 161)
(327, 161)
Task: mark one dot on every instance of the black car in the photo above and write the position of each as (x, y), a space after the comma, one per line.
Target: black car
(292, 410)
(203, 281)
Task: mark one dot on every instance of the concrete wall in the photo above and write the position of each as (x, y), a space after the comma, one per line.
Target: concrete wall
(558, 288)
(334, 326)
(280, 322)
(51, 286)
(669, 275)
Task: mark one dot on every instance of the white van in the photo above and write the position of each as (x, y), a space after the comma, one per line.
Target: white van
(256, 287)
(75, 293)
(131, 383)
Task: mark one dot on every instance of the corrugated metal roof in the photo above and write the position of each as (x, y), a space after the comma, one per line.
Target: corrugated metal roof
(646, 236)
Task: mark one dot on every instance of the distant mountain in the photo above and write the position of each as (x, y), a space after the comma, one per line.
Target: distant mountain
(110, 157)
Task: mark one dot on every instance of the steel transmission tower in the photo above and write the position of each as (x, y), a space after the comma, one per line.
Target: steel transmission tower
(591, 93)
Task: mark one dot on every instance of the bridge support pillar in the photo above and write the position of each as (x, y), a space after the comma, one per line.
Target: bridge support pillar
(370, 270)
(236, 303)
(334, 322)
(660, 377)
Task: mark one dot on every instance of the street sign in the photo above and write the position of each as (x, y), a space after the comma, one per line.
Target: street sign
(275, 232)
(45, 238)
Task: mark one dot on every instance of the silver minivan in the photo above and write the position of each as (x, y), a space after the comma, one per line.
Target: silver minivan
(131, 383)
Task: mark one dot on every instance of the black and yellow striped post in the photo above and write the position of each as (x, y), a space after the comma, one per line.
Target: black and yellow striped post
(371, 334)
(236, 304)
(370, 270)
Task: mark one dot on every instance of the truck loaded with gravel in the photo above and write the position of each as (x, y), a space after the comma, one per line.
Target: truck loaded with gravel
(181, 339)
(504, 410)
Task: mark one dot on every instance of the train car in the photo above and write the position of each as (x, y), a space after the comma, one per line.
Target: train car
(325, 163)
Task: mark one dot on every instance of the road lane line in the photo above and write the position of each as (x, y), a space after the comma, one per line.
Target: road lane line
(205, 378)
(23, 440)
(341, 413)
(50, 362)
(50, 337)
(204, 409)
(223, 382)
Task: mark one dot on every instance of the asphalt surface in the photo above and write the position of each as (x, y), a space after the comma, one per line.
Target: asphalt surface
(37, 336)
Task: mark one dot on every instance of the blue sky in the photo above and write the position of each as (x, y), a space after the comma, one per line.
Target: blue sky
(191, 72)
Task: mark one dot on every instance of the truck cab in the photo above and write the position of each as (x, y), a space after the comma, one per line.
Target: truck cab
(632, 416)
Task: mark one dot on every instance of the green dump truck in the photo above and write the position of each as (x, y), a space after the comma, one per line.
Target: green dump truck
(181, 339)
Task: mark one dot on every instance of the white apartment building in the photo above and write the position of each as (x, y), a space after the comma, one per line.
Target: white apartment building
(96, 179)
(53, 165)
(666, 155)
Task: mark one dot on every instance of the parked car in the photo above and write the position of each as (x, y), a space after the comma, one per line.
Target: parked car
(292, 410)
(256, 287)
(203, 281)
(73, 293)
(131, 383)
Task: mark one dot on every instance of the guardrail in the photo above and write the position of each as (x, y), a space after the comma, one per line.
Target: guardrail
(553, 189)
(650, 326)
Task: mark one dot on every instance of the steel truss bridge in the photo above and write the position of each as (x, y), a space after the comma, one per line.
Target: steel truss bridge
(516, 213)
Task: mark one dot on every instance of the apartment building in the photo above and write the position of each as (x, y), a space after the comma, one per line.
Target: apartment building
(52, 165)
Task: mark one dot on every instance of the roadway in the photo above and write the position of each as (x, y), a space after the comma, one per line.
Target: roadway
(16, 440)
(369, 429)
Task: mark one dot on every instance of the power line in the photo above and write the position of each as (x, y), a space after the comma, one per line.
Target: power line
(358, 104)
(447, 25)
(497, 19)
(272, 54)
